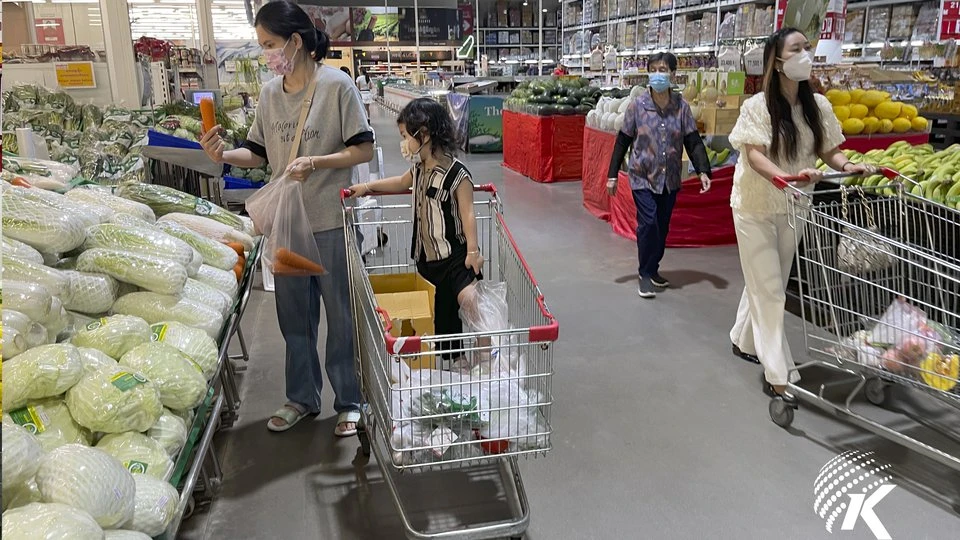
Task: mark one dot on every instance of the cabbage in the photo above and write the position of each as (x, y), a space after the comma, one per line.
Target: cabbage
(20, 270)
(178, 378)
(49, 521)
(216, 254)
(14, 320)
(57, 321)
(114, 400)
(146, 271)
(88, 479)
(51, 423)
(191, 341)
(41, 227)
(223, 280)
(21, 454)
(195, 263)
(211, 229)
(45, 371)
(118, 534)
(188, 416)
(16, 248)
(17, 495)
(138, 453)
(93, 360)
(31, 299)
(13, 343)
(166, 200)
(78, 322)
(248, 227)
(118, 204)
(207, 295)
(20, 333)
(170, 432)
(127, 220)
(114, 336)
(155, 505)
(90, 213)
(139, 240)
(90, 293)
(155, 308)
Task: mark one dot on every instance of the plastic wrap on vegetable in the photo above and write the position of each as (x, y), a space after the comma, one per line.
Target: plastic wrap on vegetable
(94, 360)
(114, 336)
(91, 293)
(78, 322)
(193, 267)
(127, 220)
(16, 248)
(124, 534)
(145, 271)
(31, 299)
(155, 308)
(57, 320)
(170, 432)
(138, 453)
(41, 173)
(214, 253)
(21, 454)
(165, 200)
(12, 343)
(142, 241)
(114, 400)
(191, 341)
(90, 480)
(207, 295)
(49, 520)
(50, 422)
(210, 229)
(17, 495)
(155, 505)
(56, 283)
(188, 416)
(20, 333)
(42, 227)
(91, 214)
(41, 372)
(177, 377)
(222, 280)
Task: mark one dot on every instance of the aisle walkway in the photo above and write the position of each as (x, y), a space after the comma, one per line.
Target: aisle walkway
(659, 432)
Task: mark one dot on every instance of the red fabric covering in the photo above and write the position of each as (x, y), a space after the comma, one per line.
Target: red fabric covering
(597, 151)
(866, 143)
(698, 220)
(543, 148)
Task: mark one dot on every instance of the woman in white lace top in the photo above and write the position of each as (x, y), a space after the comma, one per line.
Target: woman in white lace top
(780, 132)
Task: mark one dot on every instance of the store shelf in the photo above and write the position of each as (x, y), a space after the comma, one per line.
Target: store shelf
(671, 12)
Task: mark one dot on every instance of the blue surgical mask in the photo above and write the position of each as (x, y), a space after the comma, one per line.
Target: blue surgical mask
(660, 81)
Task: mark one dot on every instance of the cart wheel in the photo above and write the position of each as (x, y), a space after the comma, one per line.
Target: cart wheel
(364, 441)
(382, 238)
(877, 391)
(780, 412)
(191, 507)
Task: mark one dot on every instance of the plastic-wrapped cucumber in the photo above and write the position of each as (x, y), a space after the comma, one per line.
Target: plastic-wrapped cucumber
(190, 341)
(170, 431)
(50, 421)
(138, 453)
(214, 253)
(145, 271)
(91, 293)
(207, 295)
(222, 280)
(114, 400)
(165, 200)
(178, 378)
(41, 227)
(139, 240)
(94, 360)
(52, 279)
(16, 248)
(118, 204)
(114, 336)
(154, 308)
(210, 229)
(31, 299)
(41, 372)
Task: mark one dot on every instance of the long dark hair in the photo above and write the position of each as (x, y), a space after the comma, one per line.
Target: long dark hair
(784, 142)
(284, 19)
(428, 114)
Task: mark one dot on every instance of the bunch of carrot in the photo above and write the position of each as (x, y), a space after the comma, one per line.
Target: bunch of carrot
(288, 263)
(241, 259)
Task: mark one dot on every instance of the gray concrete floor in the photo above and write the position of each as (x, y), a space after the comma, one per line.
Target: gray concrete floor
(658, 431)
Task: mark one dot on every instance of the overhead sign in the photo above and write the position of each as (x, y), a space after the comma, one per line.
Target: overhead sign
(950, 21)
(437, 25)
(75, 75)
(50, 31)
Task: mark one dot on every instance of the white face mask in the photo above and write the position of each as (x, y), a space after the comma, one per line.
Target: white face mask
(798, 67)
(408, 154)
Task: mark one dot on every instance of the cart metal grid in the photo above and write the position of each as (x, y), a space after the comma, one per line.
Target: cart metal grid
(487, 407)
(863, 254)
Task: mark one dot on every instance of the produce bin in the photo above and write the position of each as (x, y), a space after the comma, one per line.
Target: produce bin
(865, 143)
(597, 152)
(544, 148)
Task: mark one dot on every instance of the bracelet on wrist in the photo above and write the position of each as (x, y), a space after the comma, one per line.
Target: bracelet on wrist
(843, 167)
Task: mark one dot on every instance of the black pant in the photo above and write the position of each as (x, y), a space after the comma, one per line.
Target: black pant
(450, 277)
(653, 224)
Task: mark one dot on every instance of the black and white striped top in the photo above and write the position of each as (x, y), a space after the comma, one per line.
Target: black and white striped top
(438, 229)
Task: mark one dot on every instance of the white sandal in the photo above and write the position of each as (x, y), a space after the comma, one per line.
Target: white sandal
(290, 414)
(347, 417)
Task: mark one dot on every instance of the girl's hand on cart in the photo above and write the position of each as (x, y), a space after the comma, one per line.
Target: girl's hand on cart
(474, 261)
(704, 184)
(212, 144)
(301, 168)
(359, 190)
(811, 176)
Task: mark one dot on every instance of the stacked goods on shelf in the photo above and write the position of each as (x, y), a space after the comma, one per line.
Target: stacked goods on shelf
(865, 112)
(559, 96)
(110, 323)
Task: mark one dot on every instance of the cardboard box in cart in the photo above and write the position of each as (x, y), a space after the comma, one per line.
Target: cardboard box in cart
(409, 301)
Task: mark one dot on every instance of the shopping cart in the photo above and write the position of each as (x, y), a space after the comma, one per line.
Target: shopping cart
(880, 284)
(490, 405)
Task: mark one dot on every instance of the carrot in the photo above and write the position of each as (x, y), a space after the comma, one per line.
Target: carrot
(289, 258)
(238, 270)
(207, 114)
(282, 269)
(236, 246)
(22, 182)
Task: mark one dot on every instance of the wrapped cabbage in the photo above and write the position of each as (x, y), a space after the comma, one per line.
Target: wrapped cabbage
(20, 333)
(177, 377)
(188, 416)
(170, 432)
(138, 453)
(216, 254)
(148, 272)
(118, 204)
(51, 423)
(88, 479)
(90, 213)
(94, 360)
(248, 227)
(126, 220)
(21, 454)
(42, 227)
(78, 321)
(57, 320)
(207, 295)
(17, 495)
(224, 280)
(155, 505)
(166, 200)
(12, 343)
(193, 267)
(16, 248)
(44, 371)
(154, 308)
(20, 270)
(31, 299)
(210, 229)
(114, 336)
(192, 342)
(14, 320)
(115, 399)
(139, 240)
(119, 534)
(49, 521)
(90, 293)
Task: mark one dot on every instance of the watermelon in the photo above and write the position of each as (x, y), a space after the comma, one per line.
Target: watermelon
(572, 101)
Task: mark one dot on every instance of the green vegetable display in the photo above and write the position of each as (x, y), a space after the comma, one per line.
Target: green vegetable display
(145, 271)
(164, 200)
(114, 336)
(177, 377)
(155, 308)
(115, 400)
(139, 240)
(41, 372)
(214, 253)
(138, 453)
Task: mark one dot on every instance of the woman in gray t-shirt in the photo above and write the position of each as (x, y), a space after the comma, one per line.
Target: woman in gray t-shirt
(336, 136)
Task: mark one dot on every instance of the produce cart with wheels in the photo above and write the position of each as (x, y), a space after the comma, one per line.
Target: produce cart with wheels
(451, 403)
(884, 300)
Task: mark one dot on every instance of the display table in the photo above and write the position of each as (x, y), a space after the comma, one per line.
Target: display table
(544, 148)
(698, 220)
(597, 152)
(865, 143)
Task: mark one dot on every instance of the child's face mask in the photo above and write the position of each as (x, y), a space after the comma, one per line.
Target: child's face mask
(409, 154)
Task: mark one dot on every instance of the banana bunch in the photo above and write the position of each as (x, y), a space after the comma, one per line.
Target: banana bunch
(718, 158)
(925, 172)
(923, 76)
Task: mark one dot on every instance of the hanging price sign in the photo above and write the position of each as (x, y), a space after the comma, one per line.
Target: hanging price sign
(950, 21)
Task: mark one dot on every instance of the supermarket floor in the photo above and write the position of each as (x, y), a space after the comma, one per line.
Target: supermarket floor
(658, 431)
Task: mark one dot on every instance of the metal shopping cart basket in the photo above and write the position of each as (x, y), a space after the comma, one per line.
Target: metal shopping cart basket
(880, 284)
(490, 405)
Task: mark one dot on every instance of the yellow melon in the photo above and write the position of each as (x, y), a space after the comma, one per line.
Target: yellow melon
(871, 124)
(919, 123)
(840, 97)
(858, 111)
(842, 112)
(886, 126)
(872, 98)
(901, 125)
(852, 126)
(888, 109)
(908, 111)
(856, 94)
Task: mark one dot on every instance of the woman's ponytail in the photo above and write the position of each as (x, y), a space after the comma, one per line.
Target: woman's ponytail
(322, 47)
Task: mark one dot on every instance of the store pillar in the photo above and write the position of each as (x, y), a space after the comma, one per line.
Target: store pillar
(118, 40)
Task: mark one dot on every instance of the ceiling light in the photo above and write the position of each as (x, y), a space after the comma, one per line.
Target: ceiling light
(544, 10)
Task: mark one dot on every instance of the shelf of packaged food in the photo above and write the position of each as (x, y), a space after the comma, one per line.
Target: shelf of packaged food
(663, 13)
(852, 6)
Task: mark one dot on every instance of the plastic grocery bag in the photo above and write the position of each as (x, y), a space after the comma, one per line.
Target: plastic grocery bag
(262, 205)
(900, 321)
(291, 248)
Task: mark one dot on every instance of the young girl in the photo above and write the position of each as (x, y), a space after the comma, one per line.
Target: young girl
(445, 228)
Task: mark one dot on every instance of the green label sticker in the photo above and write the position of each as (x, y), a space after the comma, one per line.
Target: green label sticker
(136, 467)
(159, 332)
(125, 381)
(29, 419)
(203, 207)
